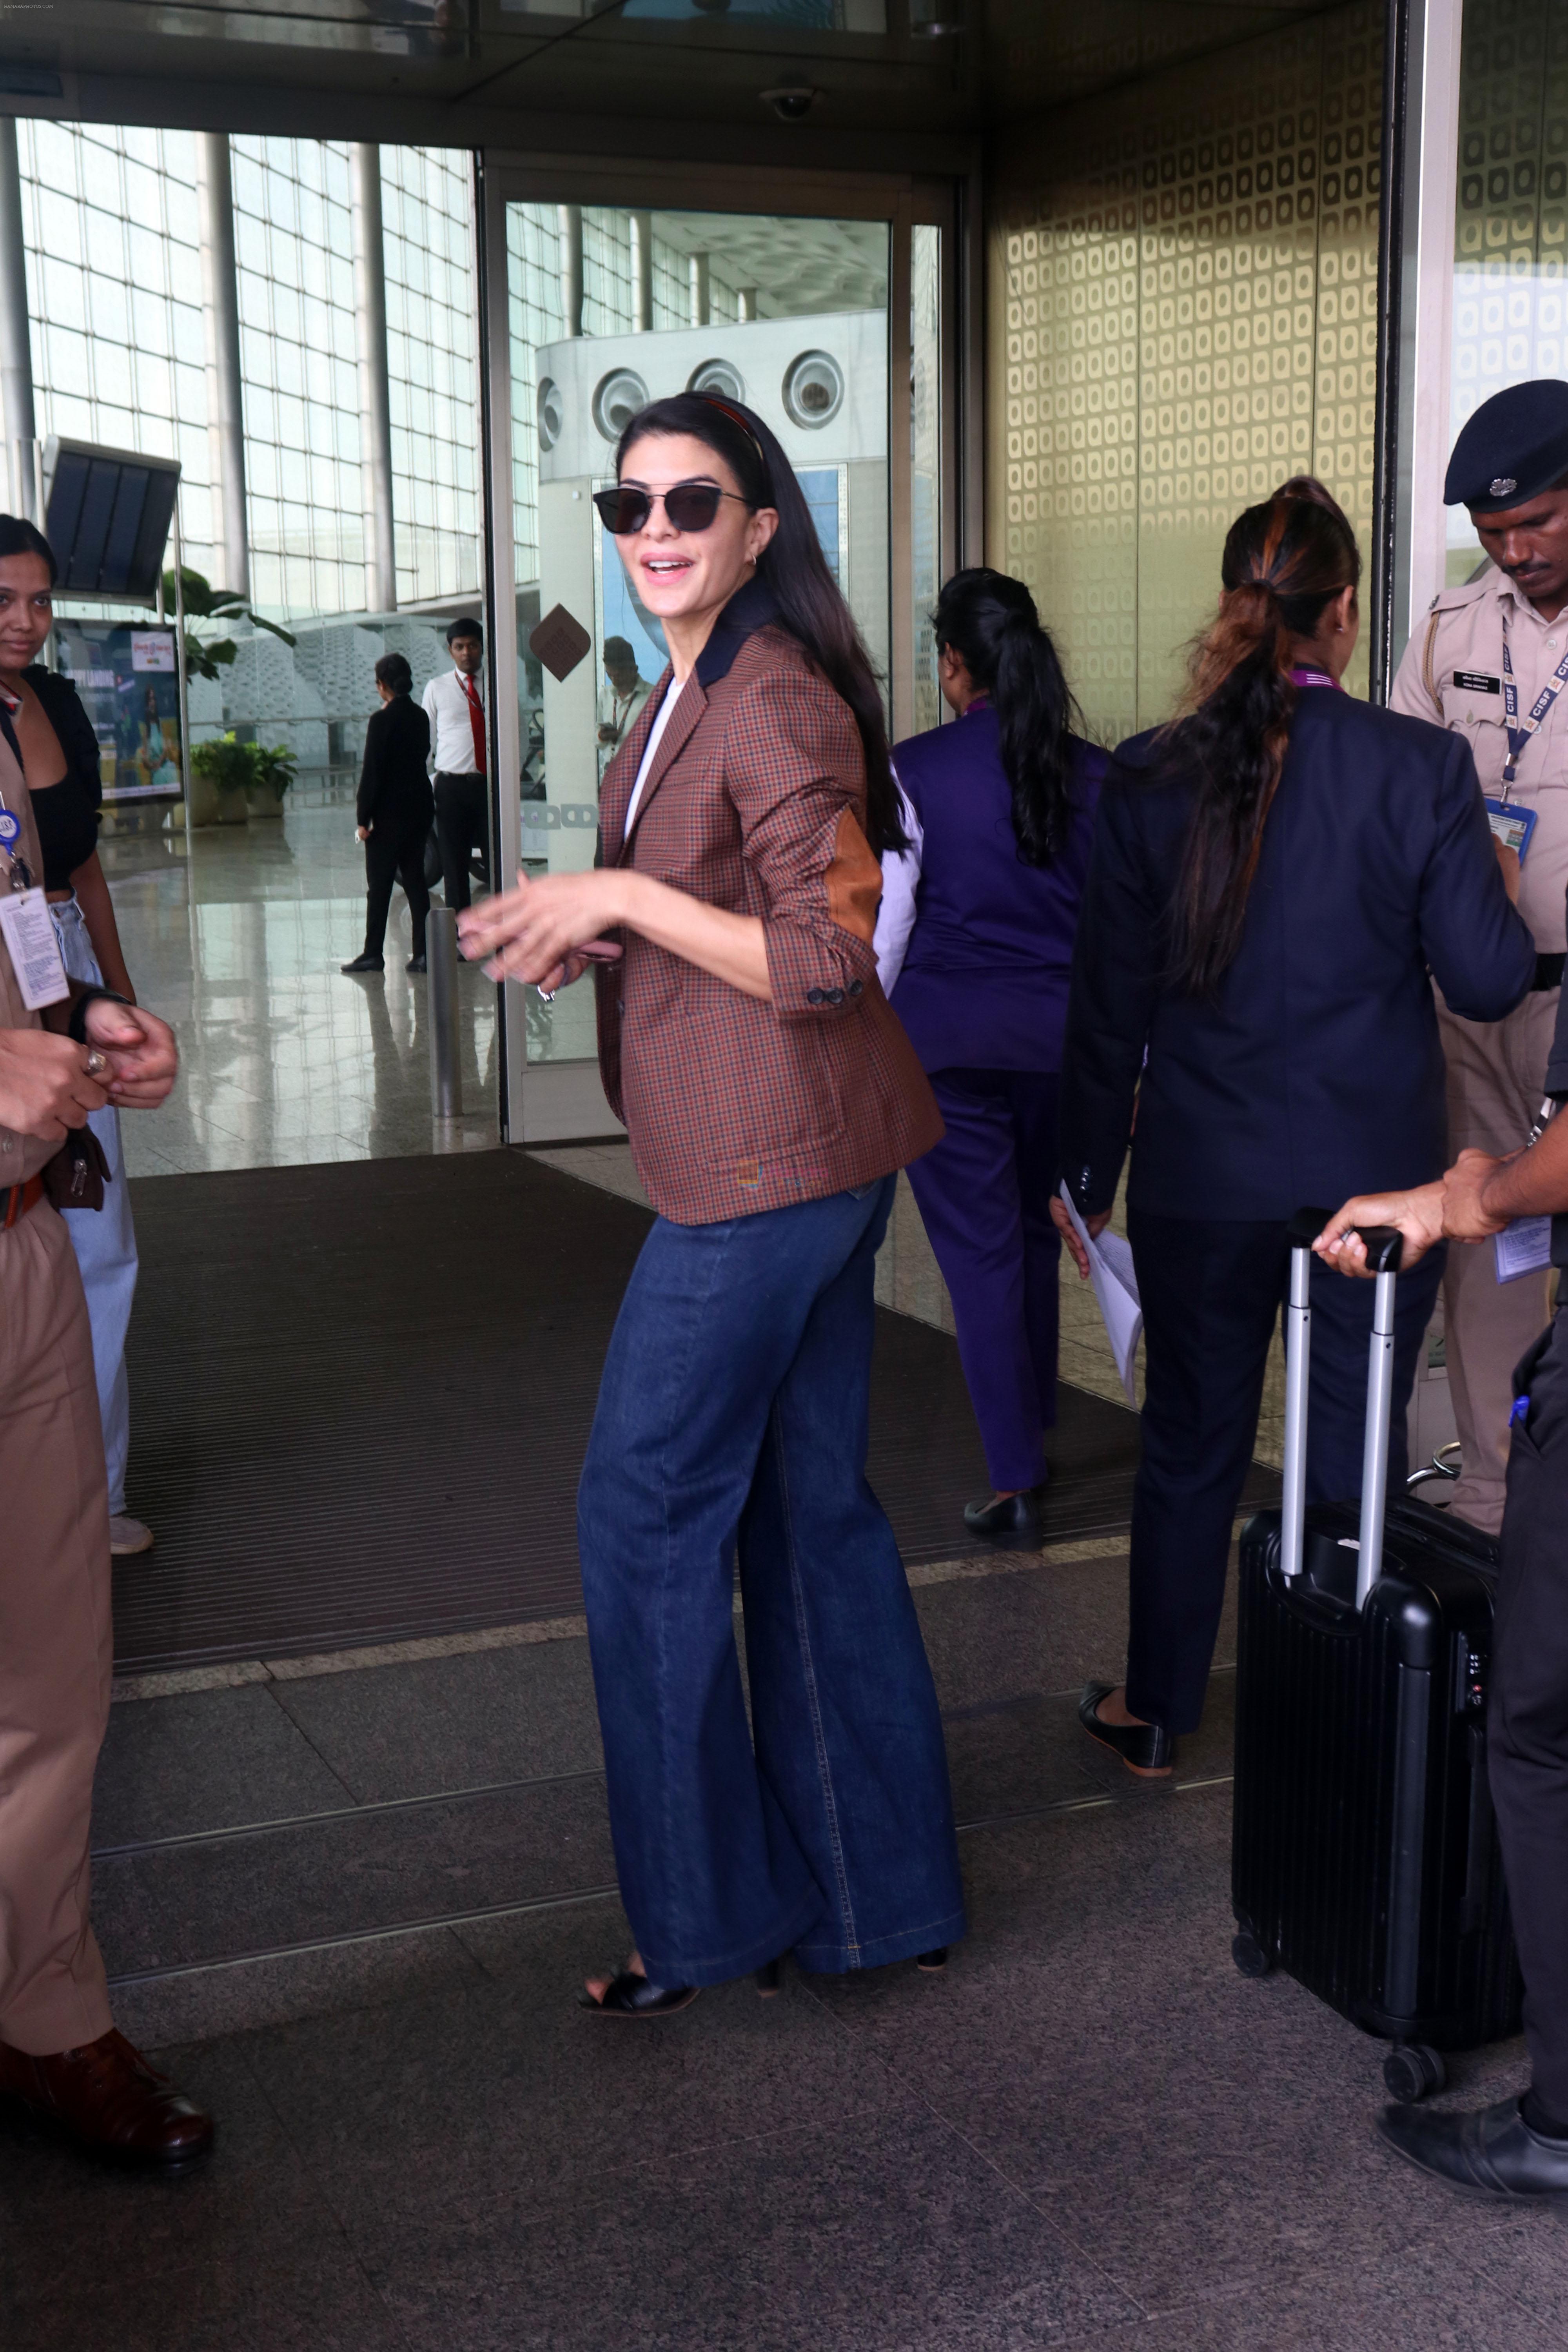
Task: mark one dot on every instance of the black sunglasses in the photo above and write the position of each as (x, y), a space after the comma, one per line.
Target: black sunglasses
(690, 505)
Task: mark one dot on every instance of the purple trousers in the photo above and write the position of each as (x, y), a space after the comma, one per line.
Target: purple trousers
(985, 1198)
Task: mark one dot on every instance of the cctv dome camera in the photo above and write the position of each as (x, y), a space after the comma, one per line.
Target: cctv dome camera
(791, 105)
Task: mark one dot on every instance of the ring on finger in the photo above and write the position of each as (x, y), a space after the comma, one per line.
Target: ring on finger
(96, 1063)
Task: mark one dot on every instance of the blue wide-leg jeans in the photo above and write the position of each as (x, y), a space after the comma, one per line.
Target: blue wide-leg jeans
(732, 1418)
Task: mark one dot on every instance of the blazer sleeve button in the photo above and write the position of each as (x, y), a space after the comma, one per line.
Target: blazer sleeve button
(835, 996)
(816, 996)
(856, 986)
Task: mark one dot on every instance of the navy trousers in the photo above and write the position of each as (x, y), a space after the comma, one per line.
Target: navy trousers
(1213, 1291)
(734, 1418)
(985, 1198)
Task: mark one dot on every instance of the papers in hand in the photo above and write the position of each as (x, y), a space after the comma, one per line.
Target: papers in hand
(1116, 1291)
(1523, 1247)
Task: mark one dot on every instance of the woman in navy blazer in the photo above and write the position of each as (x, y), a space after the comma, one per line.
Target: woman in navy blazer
(975, 944)
(1278, 876)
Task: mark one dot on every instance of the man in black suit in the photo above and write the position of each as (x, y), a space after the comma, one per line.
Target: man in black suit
(1517, 2148)
(395, 811)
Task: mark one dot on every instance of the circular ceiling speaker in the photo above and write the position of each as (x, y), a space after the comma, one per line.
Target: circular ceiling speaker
(552, 412)
(813, 389)
(616, 400)
(719, 378)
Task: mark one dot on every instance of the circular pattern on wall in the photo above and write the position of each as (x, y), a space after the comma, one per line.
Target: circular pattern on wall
(616, 400)
(813, 389)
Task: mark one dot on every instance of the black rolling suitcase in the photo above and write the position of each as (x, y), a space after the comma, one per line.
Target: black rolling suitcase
(1364, 1856)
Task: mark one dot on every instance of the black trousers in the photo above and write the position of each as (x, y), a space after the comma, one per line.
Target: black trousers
(462, 825)
(1212, 1293)
(392, 852)
(1528, 1726)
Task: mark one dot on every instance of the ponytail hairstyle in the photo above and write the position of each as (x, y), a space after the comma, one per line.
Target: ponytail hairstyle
(795, 570)
(991, 622)
(1284, 564)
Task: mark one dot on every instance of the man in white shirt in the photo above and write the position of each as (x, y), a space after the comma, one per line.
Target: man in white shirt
(455, 707)
(621, 699)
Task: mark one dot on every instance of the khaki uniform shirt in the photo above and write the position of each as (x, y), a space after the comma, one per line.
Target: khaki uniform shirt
(1452, 674)
(21, 1156)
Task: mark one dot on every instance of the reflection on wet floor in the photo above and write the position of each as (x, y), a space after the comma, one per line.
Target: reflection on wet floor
(235, 933)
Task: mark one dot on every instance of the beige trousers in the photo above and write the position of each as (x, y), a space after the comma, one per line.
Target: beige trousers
(1496, 1070)
(56, 1643)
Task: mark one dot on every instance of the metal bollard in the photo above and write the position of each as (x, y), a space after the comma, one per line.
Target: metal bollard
(441, 963)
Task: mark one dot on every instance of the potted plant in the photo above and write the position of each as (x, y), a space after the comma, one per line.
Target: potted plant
(273, 766)
(223, 774)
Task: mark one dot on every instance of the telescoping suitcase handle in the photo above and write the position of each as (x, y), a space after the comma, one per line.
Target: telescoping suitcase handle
(1383, 1250)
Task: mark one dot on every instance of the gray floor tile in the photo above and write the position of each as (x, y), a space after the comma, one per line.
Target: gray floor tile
(453, 1723)
(360, 1874)
(293, 2300)
(205, 1759)
(325, 1983)
(824, 2238)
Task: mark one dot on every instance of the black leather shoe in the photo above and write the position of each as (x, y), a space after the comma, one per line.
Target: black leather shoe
(363, 964)
(1012, 1523)
(1490, 2151)
(416, 963)
(1146, 1748)
(629, 1995)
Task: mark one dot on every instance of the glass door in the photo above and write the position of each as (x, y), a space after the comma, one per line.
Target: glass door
(594, 311)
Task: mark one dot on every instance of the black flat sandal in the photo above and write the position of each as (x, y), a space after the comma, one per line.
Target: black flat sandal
(932, 1964)
(630, 1995)
(1146, 1748)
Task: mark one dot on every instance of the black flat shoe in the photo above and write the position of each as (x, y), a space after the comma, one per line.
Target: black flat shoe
(932, 1964)
(628, 1995)
(1146, 1748)
(1012, 1523)
(416, 963)
(1491, 2152)
(770, 1979)
(363, 964)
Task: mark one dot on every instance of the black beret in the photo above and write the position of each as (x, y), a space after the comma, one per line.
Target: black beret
(1513, 447)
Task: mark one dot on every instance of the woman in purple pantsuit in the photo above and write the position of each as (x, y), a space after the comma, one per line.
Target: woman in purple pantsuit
(975, 944)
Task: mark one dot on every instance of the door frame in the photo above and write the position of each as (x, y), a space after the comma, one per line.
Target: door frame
(550, 1102)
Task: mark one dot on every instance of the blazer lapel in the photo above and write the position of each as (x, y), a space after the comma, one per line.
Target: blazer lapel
(620, 776)
(683, 721)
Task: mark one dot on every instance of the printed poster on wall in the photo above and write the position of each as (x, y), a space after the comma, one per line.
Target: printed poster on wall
(129, 684)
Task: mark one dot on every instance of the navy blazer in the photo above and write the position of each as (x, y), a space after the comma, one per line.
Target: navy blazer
(984, 978)
(1315, 1071)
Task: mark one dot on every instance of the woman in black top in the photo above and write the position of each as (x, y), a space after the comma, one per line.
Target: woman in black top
(57, 750)
(396, 811)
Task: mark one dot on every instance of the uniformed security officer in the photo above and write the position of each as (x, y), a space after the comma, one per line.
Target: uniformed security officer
(1491, 662)
(60, 2054)
(1519, 2147)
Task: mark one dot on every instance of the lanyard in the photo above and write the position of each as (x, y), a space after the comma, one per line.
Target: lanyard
(1518, 736)
(15, 868)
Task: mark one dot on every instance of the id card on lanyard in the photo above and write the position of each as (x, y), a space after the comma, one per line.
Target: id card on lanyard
(1520, 731)
(26, 925)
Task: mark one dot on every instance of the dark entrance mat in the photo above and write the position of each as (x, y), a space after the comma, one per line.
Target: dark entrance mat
(361, 1393)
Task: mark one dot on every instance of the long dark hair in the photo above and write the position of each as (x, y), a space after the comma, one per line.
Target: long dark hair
(795, 570)
(991, 621)
(20, 537)
(1284, 563)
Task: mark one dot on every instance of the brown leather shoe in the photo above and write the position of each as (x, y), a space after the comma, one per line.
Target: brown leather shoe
(107, 2097)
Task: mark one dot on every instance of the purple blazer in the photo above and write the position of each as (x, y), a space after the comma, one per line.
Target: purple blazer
(984, 978)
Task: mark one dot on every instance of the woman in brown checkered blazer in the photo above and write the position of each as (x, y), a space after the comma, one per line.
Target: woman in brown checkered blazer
(770, 1096)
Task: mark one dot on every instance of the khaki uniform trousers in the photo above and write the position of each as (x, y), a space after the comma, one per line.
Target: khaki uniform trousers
(1497, 1073)
(55, 1647)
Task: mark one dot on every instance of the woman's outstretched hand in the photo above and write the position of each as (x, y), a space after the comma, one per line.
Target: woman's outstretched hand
(534, 933)
(1094, 1226)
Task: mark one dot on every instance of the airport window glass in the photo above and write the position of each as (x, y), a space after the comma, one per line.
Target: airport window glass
(432, 344)
(1510, 230)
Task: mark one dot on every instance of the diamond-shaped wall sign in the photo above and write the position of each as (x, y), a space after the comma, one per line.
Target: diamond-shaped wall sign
(559, 642)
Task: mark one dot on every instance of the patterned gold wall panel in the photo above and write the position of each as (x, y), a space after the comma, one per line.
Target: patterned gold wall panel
(1510, 231)
(1184, 310)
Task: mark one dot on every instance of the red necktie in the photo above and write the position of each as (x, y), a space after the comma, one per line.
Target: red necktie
(476, 719)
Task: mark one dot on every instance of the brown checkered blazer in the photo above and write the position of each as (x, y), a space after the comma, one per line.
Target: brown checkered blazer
(755, 802)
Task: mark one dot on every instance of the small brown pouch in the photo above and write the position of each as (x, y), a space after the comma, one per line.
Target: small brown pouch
(75, 1176)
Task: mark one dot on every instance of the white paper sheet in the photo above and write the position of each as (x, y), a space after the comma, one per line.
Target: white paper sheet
(1523, 1247)
(1116, 1291)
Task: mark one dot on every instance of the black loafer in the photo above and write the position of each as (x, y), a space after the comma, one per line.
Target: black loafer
(1490, 2151)
(1012, 1524)
(363, 964)
(416, 963)
(1146, 1748)
(628, 1995)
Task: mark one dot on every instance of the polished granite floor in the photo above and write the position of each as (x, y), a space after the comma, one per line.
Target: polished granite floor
(234, 934)
(349, 1908)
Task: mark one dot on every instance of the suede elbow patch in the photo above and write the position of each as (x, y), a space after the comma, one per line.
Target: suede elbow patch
(854, 881)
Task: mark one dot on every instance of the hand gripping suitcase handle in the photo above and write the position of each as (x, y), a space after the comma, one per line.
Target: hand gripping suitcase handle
(1383, 1251)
